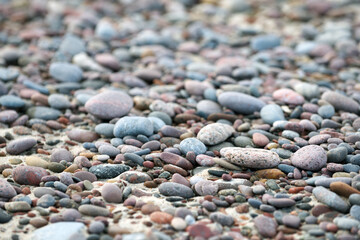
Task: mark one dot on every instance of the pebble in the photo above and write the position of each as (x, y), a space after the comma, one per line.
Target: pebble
(56, 231)
(341, 102)
(107, 171)
(109, 104)
(266, 226)
(251, 158)
(310, 157)
(81, 135)
(215, 133)
(288, 96)
(94, 211)
(65, 72)
(192, 144)
(175, 189)
(6, 190)
(44, 113)
(133, 126)
(235, 101)
(28, 175)
(272, 113)
(111, 193)
(19, 146)
(330, 199)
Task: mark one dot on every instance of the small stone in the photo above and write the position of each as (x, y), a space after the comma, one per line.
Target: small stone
(221, 218)
(178, 223)
(192, 144)
(271, 113)
(343, 189)
(6, 190)
(18, 146)
(93, 211)
(215, 133)
(61, 154)
(175, 189)
(260, 139)
(65, 72)
(161, 217)
(133, 126)
(81, 135)
(266, 226)
(341, 102)
(44, 113)
(18, 206)
(240, 102)
(36, 162)
(291, 221)
(206, 187)
(288, 96)
(55, 231)
(111, 193)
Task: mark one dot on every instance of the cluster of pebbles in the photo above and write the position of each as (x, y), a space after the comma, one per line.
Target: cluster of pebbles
(179, 119)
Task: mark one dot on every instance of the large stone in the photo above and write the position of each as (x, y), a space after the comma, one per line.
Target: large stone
(28, 175)
(61, 231)
(18, 146)
(341, 102)
(310, 157)
(109, 104)
(251, 157)
(331, 199)
(133, 126)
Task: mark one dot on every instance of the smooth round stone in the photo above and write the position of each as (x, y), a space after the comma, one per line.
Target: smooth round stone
(291, 221)
(71, 45)
(215, 133)
(109, 104)
(265, 42)
(36, 162)
(17, 206)
(96, 227)
(288, 96)
(240, 102)
(192, 144)
(354, 199)
(61, 154)
(208, 107)
(281, 202)
(271, 113)
(224, 220)
(58, 101)
(81, 135)
(44, 113)
(28, 175)
(346, 223)
(8, 74)
(308, 90)
(109, 150)
(266, 226)
(330, 199)
(83, 176)
(251, 157)
(106, 171)
(134, 158)
(178, 223)
(133, 126)
(260, 139)
(310, 157)
(337, 155)
(341, 102)
(93, 211)
(105, 31)
(65, 72)
(341, 187)
(6, 190)
(105, 129)
(10, 101)
(18, 146)
(326, 111)
(111, 193)
(163, 116)
(242, 141)
(206, 187)
(355, 212)
(8, 116)
(4, 216)
(175, 189)
(46, 201)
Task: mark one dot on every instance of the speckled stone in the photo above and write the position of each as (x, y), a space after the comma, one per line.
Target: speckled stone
(215, 133)
(250, 157)
(310, 157)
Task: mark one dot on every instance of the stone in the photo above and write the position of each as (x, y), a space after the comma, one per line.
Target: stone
(61, 154)
(215, 133)
(341, 102)
(111, 193)
(250, 158)
(109, 104)
(311, 157)
(44, 113)
(8, 116)
(288, 96)
(61, 231)
(330, 199)
(93, 211)
(281, 202)
(175, 189)
(343, 189)
(271, 113)
(337, 155)
(106, 171)
(240, 102)
(192, 144)
(6, 190)
(266, 226)
(4, 216)
(161, 217)
(65, 72)
(291, 221)
(206, 187)
(81, 135)
(260, 139)
(265, 42)
(17, 206)
(355, 212)
(28, 175)
(59, 101)
(133, 126)
(10, 101)
(36, 162)
(105, 129)
(19, 146)
(221, 218)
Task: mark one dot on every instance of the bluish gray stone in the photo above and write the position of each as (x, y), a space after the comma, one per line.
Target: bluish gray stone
(106, 129)
(44, 113)
(271, 113)
(61, 231)
(8, 74)
(72, 45)
(192, 144)
(355, 212)
(175, 189)
(36, 87)
(65, 72)
(157, 123)
(265, 42)
(46, 201)
(10, 101)
(105, 31)
(58, 101)
(331, 199)
(133, 126)
(240, 102)
(326, 111)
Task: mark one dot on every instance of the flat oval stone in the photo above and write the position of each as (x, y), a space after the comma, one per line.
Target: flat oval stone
(81, 135)
(133, 126)
(28, 175)
(17, 206)
(175, 189)
(250, 157)
(310, 157)
(109, 104)
(343, 189)
(330, 199)
(44, 113)
(281, 202)
(341, 102)
(288, 96)
(65, 72)
(240, 102)
(93, 211)
(8, 116)
(18, 146)
(215, 133)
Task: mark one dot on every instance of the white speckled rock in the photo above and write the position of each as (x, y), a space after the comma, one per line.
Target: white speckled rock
(251, 157)
(215, 133)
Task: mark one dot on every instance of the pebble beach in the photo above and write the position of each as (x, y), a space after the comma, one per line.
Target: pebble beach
(179, 119)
